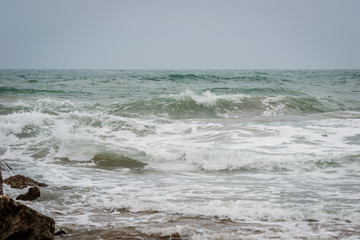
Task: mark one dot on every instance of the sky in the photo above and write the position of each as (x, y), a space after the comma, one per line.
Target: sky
(174, 34)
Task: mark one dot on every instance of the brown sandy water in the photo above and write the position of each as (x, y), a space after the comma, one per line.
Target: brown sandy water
(186, 228)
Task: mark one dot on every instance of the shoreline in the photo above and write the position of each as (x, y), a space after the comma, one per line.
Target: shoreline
(124, 223)
(186, 228)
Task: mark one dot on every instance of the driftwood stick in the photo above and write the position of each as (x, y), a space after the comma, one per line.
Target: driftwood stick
(5, 166)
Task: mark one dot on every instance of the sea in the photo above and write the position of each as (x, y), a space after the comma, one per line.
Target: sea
(187, 154)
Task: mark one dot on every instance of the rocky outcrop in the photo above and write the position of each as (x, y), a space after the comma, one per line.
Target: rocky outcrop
(1, 181)
(20, 181)
(33, 193)
(18, 221)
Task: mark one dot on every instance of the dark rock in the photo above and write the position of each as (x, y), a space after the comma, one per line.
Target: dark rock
(33, 193)
(1, 181)
(20, 181)
(61, 232)
(18, 221)
(175, 236)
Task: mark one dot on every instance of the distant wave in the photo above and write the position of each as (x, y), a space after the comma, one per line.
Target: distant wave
(43, 92)
(256, 76)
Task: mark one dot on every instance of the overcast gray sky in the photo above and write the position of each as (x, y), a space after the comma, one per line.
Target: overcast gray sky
(174, 34)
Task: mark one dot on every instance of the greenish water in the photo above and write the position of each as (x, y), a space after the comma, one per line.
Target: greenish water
(206, 154)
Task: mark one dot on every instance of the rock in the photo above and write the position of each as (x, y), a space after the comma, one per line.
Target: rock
(18, 221)
(33, 193)
(1, 182)
(62, 231)
(20, 181)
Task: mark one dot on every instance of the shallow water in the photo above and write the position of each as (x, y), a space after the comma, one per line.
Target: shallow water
(188, 154)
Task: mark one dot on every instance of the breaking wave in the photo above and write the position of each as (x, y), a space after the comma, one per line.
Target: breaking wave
(189, 104)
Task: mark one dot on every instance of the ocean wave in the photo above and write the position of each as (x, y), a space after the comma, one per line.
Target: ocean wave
(245, 210)
(22, 124)
(207, 104)
(28, 91)
(188, 105)
(86, 132)
(213, 159)
(211, 76)
(35, 92)
(180, 106)
(259, 91)
(116, 142)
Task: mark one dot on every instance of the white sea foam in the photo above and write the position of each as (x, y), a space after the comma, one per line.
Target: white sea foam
(227, 159)
(14, 123)
(208, 98)
(274, 106)
(81, 135)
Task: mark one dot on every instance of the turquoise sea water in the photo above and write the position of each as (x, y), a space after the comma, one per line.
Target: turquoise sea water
(203, 154)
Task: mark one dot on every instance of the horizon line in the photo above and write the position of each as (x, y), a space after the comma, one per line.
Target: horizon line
(187, 69)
